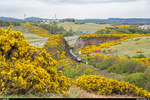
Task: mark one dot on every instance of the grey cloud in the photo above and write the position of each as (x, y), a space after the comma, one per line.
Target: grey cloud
(84, 1)
(75, 8)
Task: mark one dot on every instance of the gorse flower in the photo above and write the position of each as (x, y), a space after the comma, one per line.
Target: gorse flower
(37, 30)
(27, 69)
(105, 86)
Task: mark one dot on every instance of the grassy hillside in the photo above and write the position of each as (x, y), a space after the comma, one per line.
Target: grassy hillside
(90, 27)
(131, 46)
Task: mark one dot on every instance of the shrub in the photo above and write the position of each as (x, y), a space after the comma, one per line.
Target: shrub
(137, 39)
(127, 66)
(147, 77)
(147, 85)
(147, 73)
(78, 70)
(106, 63)
(55, 45)
(139, 56)
(27, 69)
(138, 51)
(137, 42)
(136, 79)
(79, 23)
(104, 51)
(105, 86)
(72, 72)
(89, 70)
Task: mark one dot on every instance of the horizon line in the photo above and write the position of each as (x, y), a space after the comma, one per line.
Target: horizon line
(82, 18)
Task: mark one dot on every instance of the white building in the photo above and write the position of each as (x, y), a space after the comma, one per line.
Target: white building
(47, 21)
(146, 27)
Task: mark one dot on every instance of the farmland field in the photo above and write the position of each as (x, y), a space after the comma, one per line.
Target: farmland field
(88, 27)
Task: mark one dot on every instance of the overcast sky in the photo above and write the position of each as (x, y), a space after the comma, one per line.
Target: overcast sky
(75, 8)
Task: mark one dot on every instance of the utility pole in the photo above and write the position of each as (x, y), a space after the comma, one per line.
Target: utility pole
(55, 18)
(24, 16)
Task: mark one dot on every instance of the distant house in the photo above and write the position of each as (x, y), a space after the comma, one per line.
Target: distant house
(146, 27)
(47, 21)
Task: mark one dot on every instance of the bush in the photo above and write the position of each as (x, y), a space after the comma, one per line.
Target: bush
(89, 70)
(106, 63)
(72, 72)
(79, 23)
(138, 51)
(139, 56)
(105, 86)
(27, 69)
(127, 66)
(147, 85)
(147, 73)
(95, 60)
(136, 79)
(147, 77)
(78, 70)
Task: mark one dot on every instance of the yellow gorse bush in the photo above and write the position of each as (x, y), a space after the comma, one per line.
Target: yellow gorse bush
(37, 30)
(105, 86)
(112, 35)
(124, 26)
(27, 69)
(58, 47)
(138, 51)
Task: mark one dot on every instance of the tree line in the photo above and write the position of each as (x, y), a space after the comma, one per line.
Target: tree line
(8, 23)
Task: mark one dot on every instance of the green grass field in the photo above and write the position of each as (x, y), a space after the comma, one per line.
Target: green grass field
(20, 28)
(89, 27)
(130, 46)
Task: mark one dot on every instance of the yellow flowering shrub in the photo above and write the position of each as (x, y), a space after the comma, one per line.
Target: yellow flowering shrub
(58, 47)
(137, 42)
(124, 26)
(105, 86)
(27, 69)
(55, 45)
(138, 51)
(37, 30)
(112, 35)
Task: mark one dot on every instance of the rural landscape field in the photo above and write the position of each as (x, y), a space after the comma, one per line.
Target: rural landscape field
(75, 58)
